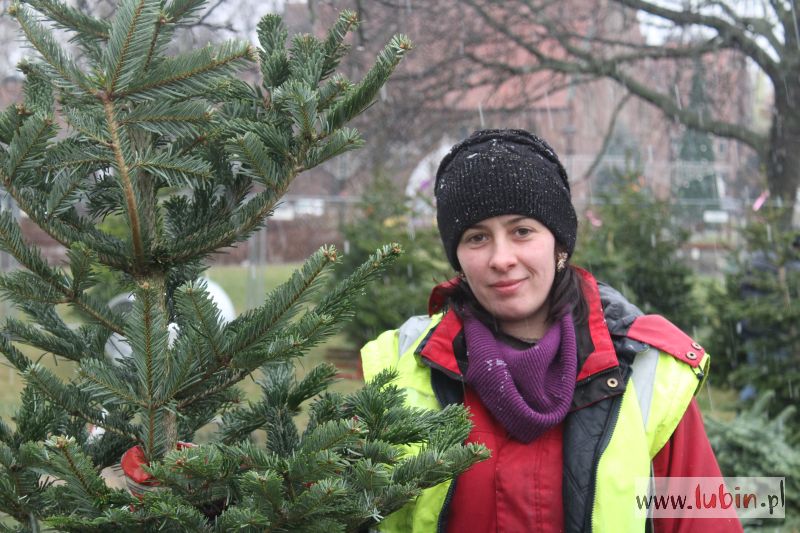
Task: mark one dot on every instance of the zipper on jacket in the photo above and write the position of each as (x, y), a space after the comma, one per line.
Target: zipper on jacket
(605, 438)
(441, 523)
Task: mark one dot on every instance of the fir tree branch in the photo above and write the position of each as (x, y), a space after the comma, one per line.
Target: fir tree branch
(87, 160)
(177, 10)
(154, 43)
(298, 101)
(27, 148)
(148, 335)
(64, 193)
(175, 171)
(68, 18)
(207, 318)
(89, 120)
(363, 94)
(318, 499)
(48, 48)
(227, 378)
(256, 155)
(192, 72)
(28, 256)
(334, 46)
(104, 317)
(24, 288)
(87, 479)
(243, 221)
(38, 89)
(24, 203)
(73, 401)
(106, 387)
(131, 35)
(250, 327)
(10, 121)
(132, 208)
(67, 230)
(184, 373)
(305, 61)
(32, 336)
(169, 117)
(340, 141)
(274, 63)
(332, 90)
(20, 361)
(19, 488)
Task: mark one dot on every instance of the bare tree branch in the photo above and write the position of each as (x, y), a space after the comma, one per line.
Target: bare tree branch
(210, 11)
(671, 108)
(612, 124)
(760, 26)
(728, 32)
(788, 21)
(611, 68)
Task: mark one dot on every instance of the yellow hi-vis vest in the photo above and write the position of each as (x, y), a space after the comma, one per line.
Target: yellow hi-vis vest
(654, 401)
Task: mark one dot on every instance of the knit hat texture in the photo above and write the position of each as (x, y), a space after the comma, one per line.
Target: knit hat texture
(502, 172)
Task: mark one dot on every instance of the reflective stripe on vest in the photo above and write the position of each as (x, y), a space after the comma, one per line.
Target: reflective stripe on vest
(653, 404)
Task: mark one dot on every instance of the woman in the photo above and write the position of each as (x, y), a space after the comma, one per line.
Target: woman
(577, 394)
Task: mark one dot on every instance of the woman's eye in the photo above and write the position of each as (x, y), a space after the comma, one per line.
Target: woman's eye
(476, 238)
(523, 232)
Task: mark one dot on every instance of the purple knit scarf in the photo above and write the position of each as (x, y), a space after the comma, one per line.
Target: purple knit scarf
(528, 391)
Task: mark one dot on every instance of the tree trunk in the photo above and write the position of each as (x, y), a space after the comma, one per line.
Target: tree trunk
(783, 152)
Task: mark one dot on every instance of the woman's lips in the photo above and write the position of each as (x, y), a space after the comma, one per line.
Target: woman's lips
(506, 286)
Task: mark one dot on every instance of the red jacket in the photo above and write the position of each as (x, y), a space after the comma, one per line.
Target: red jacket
(521, 484)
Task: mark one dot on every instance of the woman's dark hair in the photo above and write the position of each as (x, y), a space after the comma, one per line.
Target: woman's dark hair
(566, 295)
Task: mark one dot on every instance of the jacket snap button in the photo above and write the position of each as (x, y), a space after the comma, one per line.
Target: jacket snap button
(696, 346)
(691, 355)
(612, 382)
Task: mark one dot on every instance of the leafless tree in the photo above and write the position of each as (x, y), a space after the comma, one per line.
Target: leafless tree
(488, 63)
(582, 40)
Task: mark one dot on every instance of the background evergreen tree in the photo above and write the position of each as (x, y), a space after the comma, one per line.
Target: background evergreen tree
(697, 183)
(756, 313)
(756, 444)
(193, 158)
(403, 290)
(635, 249)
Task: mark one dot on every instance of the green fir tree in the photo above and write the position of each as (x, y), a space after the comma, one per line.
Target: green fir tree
(632, 243)
(696, 183)
(403, 290)
(756, 315)
(757, 444)
(193, 159)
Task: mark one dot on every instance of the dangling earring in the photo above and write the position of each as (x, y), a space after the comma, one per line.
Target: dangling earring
(561, 264)
(462, 277)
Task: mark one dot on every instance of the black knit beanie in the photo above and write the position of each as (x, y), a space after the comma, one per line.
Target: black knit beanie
(502, 172)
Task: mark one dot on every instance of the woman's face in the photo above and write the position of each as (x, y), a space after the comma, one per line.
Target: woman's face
(509, 263)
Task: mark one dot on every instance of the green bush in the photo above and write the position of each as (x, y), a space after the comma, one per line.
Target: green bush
(385, 216)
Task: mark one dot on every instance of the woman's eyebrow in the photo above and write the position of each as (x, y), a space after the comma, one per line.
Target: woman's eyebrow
(478, 226)
(515, 220)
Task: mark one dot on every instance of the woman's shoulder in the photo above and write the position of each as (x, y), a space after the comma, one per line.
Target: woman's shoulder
(624, 319)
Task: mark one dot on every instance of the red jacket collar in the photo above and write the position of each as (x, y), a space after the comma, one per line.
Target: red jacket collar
(604, 356)
(439, 295)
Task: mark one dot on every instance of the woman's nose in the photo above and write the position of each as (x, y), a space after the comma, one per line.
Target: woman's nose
(502, 257)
